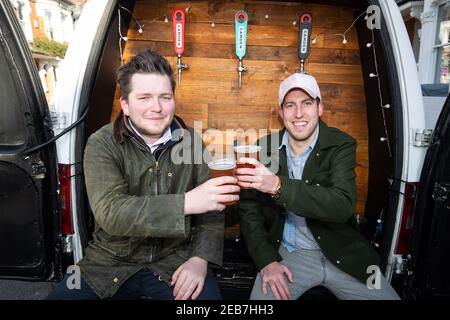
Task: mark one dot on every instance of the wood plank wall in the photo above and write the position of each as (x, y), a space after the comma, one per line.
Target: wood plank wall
(209, 91)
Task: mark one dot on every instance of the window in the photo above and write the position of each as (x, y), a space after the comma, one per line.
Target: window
(443, 45)
(48, 25)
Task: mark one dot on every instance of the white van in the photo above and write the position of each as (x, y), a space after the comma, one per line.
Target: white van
(45, 220)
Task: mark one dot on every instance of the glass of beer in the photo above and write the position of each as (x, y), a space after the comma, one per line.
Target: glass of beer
(246, 151)
(223, 167)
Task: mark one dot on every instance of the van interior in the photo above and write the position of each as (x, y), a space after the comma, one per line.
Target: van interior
(340, 58)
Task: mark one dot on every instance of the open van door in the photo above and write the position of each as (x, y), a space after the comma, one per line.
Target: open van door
(430, 238)
(29, 223)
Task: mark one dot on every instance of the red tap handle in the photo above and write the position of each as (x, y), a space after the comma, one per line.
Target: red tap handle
(179, 21)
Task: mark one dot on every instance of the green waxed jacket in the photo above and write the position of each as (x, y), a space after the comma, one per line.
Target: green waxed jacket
(137, 199)
(325, 196)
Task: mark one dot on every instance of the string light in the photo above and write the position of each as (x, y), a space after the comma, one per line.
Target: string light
(166, 20)
(343, 35)
(213, 24)
(383, 106)
(188, 8)
(267, 15)
(139, 25)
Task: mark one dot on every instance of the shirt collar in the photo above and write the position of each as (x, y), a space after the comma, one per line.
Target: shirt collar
(285, 140)
(167, 136)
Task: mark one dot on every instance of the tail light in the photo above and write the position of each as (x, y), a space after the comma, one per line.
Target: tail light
(407, 217)
(64, 195)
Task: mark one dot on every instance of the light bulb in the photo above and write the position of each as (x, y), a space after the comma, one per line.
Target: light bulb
(140, 30)
(266, 16)
(369, 44)
(387, 106)
(373, 75)
(213, 24)
(294, 22)
(166, 19)
(125, 39)
(314, 40)
(187, 8)
(344, 41)
(383, 139)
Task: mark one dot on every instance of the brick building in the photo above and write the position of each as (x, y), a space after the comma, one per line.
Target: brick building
(47, 23)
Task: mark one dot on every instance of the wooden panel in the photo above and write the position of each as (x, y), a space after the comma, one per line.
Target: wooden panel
(280, 13)
(209, 91)
(227, 51)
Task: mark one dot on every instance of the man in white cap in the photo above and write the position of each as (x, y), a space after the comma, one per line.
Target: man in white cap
(298, 224)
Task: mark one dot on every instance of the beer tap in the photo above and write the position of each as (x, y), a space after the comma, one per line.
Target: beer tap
(179, 22)
(304, 37)
(240, 21)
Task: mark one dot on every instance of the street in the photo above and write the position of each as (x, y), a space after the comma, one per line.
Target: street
(24, 290)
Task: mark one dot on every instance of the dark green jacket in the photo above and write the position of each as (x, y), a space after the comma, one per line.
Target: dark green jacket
(325, 196)
(138, 205)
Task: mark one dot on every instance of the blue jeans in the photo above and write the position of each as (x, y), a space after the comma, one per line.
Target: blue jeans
(143, 284)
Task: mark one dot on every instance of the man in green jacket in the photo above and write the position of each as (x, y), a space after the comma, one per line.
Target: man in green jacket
(157, 219)
(306, 206)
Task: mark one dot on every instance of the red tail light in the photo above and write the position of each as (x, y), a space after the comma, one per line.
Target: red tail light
(407, 217)
(64, 195)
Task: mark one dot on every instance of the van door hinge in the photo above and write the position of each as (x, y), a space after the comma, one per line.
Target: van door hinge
(38, 170)
(67, 244)
(422, 137)
(440, 192)
(59, 119)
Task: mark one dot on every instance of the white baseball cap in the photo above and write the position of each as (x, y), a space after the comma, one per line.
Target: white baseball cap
(302, 81)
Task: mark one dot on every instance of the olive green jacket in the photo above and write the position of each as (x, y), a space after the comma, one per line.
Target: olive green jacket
(137, 201)
(325, 196)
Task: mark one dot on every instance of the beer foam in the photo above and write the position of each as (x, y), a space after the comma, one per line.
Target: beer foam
(222, 164)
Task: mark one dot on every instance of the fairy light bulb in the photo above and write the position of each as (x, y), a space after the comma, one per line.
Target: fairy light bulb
(344, 41)
(187, 8)
(373, 75)
(266, 16)
(369, 44)
(166, 20)
(125, 39)
(314, 40)
(294, 23)
(140, 30)
(387, 106)
(213, 24)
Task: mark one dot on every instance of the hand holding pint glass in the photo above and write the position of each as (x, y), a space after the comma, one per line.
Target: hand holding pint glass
(216, 193)
(223, 167)
(246, 151)
(251, 173)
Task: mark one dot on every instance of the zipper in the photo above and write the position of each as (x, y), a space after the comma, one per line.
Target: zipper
(158, 175)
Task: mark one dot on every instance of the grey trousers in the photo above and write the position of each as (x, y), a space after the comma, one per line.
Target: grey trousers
(310, 268)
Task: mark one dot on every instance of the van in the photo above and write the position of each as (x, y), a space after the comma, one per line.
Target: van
(370, 88)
